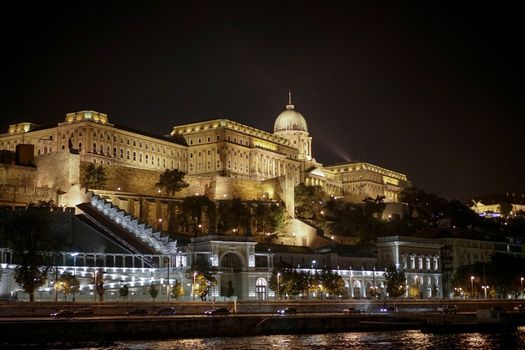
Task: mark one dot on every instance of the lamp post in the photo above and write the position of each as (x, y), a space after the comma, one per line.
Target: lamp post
(521, 280)
(74, 255)
(193, 286)
(168, 287)
(278, 275)
(472, 286)
(485, 290)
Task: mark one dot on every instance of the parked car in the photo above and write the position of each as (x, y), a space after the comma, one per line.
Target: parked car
(166, 311)
(388, 308)
(220, 311)
(63, 314)
(287, 311)
(352, 310)
(519, 308)
(138, 312)
(85, 312)
(448, 309)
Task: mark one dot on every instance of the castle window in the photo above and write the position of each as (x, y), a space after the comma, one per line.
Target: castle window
(114, 138)
(146, 158)
(134, 155)
(80, 134)
(140, 144)
(147, 146)
(127, 154)
(191, 155)
(128, 141)
(209, 152)
(63, 147)
(114, 151)
(80, 146)
(140, 157)
(95, 147)
(121, 153)
(134, 143)
(218, 138)
(200, 140)
(191, 142)
(209, 139)
(200, 154)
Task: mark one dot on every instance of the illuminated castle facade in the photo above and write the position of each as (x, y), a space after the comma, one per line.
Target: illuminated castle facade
(217, 147)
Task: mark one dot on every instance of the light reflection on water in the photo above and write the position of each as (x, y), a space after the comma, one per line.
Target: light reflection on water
(364, 340)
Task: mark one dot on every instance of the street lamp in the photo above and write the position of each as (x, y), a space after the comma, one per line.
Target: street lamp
(74, 255)
(472, 286)
(278, 275)
(485, 290)
(193, 286)
(521, 279)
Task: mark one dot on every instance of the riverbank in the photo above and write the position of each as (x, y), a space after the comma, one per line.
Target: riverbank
(83, 332)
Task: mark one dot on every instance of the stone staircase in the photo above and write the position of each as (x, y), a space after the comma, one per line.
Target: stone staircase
(153, 239)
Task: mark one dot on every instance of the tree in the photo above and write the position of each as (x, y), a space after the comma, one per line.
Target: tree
(194, 209)
(229, 289)
(505, 208)
(153, 291)
(203, 275)
(124, 291)
(94, 177)
(68, 284)
(395, 282)
(99, 284)
(177, 291)
(172, 181)
(332, 283)
(233, 215)
(374, 207)
(270, 218)
(27, 233)
(308, 200)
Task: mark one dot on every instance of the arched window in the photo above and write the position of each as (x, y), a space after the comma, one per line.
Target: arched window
(261, 286)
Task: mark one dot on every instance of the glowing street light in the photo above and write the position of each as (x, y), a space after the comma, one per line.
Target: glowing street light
(193, 286)
(74, 255)
(521, 279)
(485, 290)
(278, 276)
(472, 286)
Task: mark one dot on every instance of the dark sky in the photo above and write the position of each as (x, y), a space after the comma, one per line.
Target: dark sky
(429, 89)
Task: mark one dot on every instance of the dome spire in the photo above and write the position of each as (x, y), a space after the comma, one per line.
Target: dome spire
(290, 105)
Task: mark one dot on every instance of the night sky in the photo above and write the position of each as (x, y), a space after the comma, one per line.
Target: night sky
(431, 90)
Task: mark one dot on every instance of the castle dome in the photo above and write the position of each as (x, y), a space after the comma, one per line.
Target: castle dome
(290, 119)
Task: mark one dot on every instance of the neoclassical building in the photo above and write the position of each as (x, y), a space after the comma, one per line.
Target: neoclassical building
(211, 148)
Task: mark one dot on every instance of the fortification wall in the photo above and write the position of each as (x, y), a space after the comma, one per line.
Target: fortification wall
(142, 181)
(18, 186)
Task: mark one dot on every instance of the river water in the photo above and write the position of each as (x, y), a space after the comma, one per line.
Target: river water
(351, 340)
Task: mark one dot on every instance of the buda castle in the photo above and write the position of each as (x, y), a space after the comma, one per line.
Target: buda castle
(211, 149)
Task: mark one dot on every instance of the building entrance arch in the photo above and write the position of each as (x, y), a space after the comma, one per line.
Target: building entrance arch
(231, 262)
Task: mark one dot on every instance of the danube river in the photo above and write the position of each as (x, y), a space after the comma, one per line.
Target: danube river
(366, 340)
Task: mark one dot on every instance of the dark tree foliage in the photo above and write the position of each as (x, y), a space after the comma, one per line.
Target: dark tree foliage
(233, 214)
(172, 180)
(502, 274)
(309, 201)
(153, 291)
(293, 283)
(374, 207)
(395, 282)
(124, 291)
(193, 211)
(94, 177)
(270, 218)
(26, 231)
